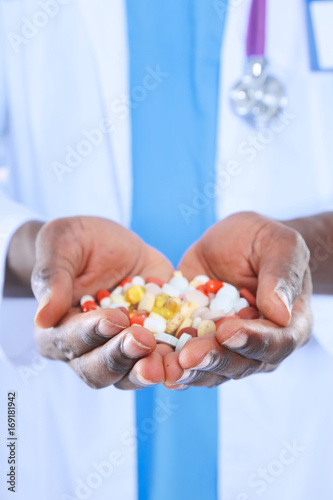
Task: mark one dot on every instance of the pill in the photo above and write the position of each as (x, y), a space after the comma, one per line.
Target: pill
(134, 294)
(156, 316)
(101, 294)
(137, 320)
(117, 305)
(169, 309)
(160, 300)
(118, 290)
(147, 302)
(174, 323)
(177, 273)
(155, 325)
(213, 286)
(202, 289)
(186, 323)
(119, 299)
(86, 298)
(196, 322)
(105, 302)
(138, 280)
(165, 338)
(190, 330)
(195, 296)
(88, 305)
(153, 289)
(213, 315)
(126, 287)
(230, 291)
(182, 341)
(157, 281)
(188, 308)
(202, 277)
(222, 302)
(226, 318)
(249, 313)
(246, 294)
(126, 280)
(241, 303)
(199, 311)
(206, 327)
(170, 290)
(195, 283)
(179, 283)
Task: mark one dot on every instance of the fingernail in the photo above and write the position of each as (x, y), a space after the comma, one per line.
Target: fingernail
(143, 381)
(205, 363)
(285, 299)
(44, 301)
(186, 376)
(132, 348)
(238, 340)
(106, 328)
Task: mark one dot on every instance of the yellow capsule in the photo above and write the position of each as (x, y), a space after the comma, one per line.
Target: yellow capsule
(134, 294)
(160, 300)
(156, 310)
(172, 305)
(167, 313)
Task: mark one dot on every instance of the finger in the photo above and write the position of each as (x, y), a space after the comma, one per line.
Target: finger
(109, 363)
(205, 355)
(282, 264)
(57, 264)
(79, 333)
(263, 340)
(145, 373)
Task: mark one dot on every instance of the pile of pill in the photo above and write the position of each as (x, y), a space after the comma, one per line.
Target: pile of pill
(178, 310)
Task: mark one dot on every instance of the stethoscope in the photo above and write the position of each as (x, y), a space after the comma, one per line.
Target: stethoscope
(258, 97)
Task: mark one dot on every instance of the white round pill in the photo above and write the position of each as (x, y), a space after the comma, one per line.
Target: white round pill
(165, 338)
(223, 302)
(230, 291)
(138, 280)
(241, 303)
(154, 325)
(196, 322)
(179, 283)
(182, 341)
(117, 291)
(86, 298)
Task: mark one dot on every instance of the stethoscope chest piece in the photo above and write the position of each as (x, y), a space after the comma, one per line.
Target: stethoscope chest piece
(258, 97)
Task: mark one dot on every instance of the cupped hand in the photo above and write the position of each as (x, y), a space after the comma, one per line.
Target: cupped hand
(81, 255)
(270, 259)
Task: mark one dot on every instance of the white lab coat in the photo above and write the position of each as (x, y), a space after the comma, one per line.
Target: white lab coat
(75, 442)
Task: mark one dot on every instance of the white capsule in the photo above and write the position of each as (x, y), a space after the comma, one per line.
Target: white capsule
(138, 280)
(154, 315)
(106, 302)
(179, 283)
(241, 303)
(170, 290)
(86, 298)
(188, 289)
(182, 341)
(196, 322)
(154, 325)
(119, 299)
(165, 338)
(223, 302)
(202, 277)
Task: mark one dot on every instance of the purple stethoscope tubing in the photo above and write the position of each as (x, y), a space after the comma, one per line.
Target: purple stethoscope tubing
(256, 32)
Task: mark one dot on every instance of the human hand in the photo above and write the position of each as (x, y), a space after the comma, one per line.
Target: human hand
(251, 251)
(79, 255)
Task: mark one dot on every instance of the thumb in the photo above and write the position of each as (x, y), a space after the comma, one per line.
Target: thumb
(52, 277)
(280, 279)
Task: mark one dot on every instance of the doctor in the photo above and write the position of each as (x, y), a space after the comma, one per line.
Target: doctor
(85, 170)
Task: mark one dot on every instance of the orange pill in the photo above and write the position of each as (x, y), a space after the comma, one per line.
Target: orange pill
(125, 281)
(137, 320)
(202, 289)
(213, 286)
(249, 313)
(246, 294)
(88, 306)
(101, 294)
